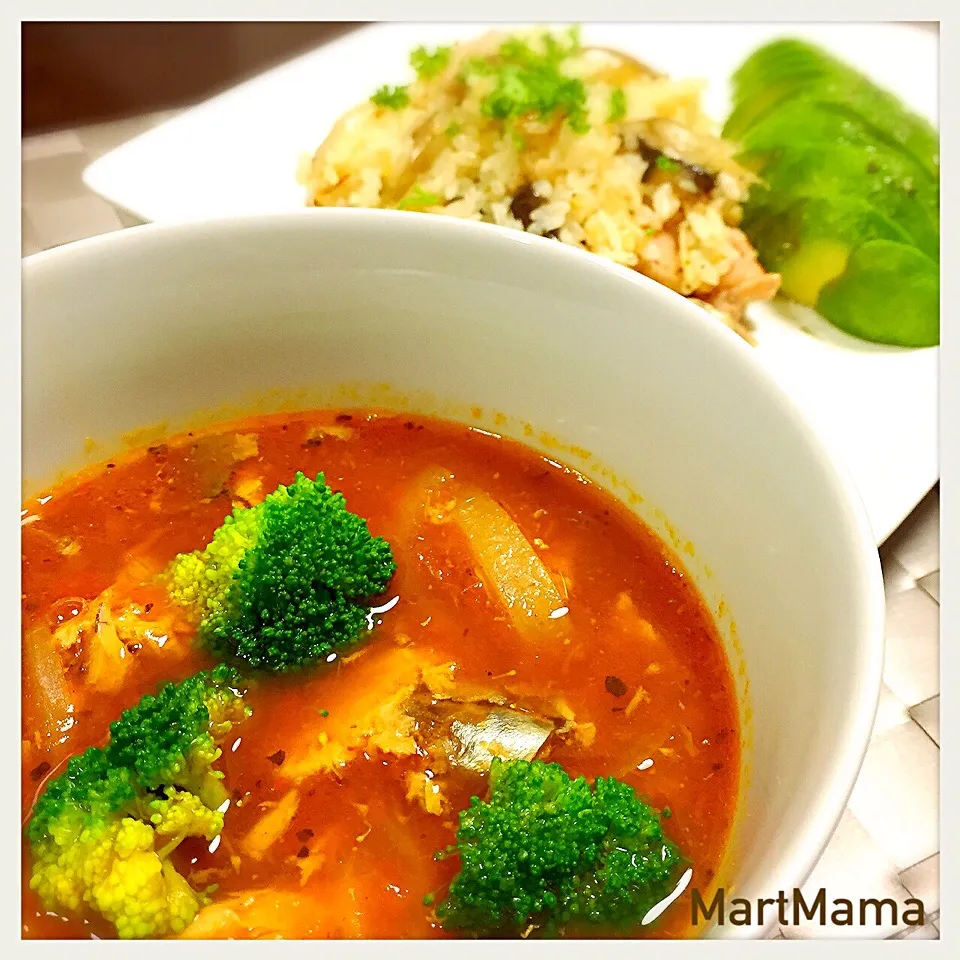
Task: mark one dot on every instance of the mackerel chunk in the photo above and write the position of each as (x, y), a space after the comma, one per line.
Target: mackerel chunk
(470, 734)
(504, 733)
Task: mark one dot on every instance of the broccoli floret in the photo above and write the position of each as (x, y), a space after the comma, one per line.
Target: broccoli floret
(103, 830)
(553, 852)
(282, 584)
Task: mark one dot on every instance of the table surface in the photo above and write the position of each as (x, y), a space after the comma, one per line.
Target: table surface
(887, 844)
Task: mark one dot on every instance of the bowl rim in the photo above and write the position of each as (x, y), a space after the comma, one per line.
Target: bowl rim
(794, 866)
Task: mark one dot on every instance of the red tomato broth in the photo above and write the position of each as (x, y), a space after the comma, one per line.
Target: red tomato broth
(377, 845)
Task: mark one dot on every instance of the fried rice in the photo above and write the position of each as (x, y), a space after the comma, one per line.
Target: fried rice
(584, 145)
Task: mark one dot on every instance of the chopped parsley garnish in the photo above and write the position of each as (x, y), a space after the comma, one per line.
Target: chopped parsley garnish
(393, 98)
(453, 129)
(618, 105)
(667, 163)
(417, 198)
(428, 64)
(529, 82)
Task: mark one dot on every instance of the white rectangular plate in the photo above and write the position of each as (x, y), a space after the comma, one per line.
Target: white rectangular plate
(237, 154)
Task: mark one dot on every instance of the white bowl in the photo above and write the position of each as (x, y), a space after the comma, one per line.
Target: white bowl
(158, 323)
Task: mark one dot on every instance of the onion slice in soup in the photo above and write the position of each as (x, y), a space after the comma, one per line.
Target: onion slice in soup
(45, 680)
(511, 568)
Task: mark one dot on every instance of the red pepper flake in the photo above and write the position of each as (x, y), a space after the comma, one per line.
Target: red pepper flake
(304, 835)
(303, 852)
(40, 771)
(278, 758)
(615, 686)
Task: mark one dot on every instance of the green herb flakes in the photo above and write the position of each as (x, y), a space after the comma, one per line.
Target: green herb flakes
(428, 65)
(418, 198)
(528, 82)
(618, 105)
(391, 98)
(667, 163)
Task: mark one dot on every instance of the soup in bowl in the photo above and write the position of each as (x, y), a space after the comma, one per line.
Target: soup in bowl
(387, 577)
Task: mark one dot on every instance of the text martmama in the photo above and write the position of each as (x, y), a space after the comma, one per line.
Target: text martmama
(795, 909)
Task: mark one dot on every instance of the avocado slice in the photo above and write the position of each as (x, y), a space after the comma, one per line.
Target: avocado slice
(790, 69)
(855, 171)
(855, 266)
(888, 293)
(800, 124)
(781, 232)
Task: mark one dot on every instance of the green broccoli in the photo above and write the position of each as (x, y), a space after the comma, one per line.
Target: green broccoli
(103, 830)
(282, 584)
(550, 851)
